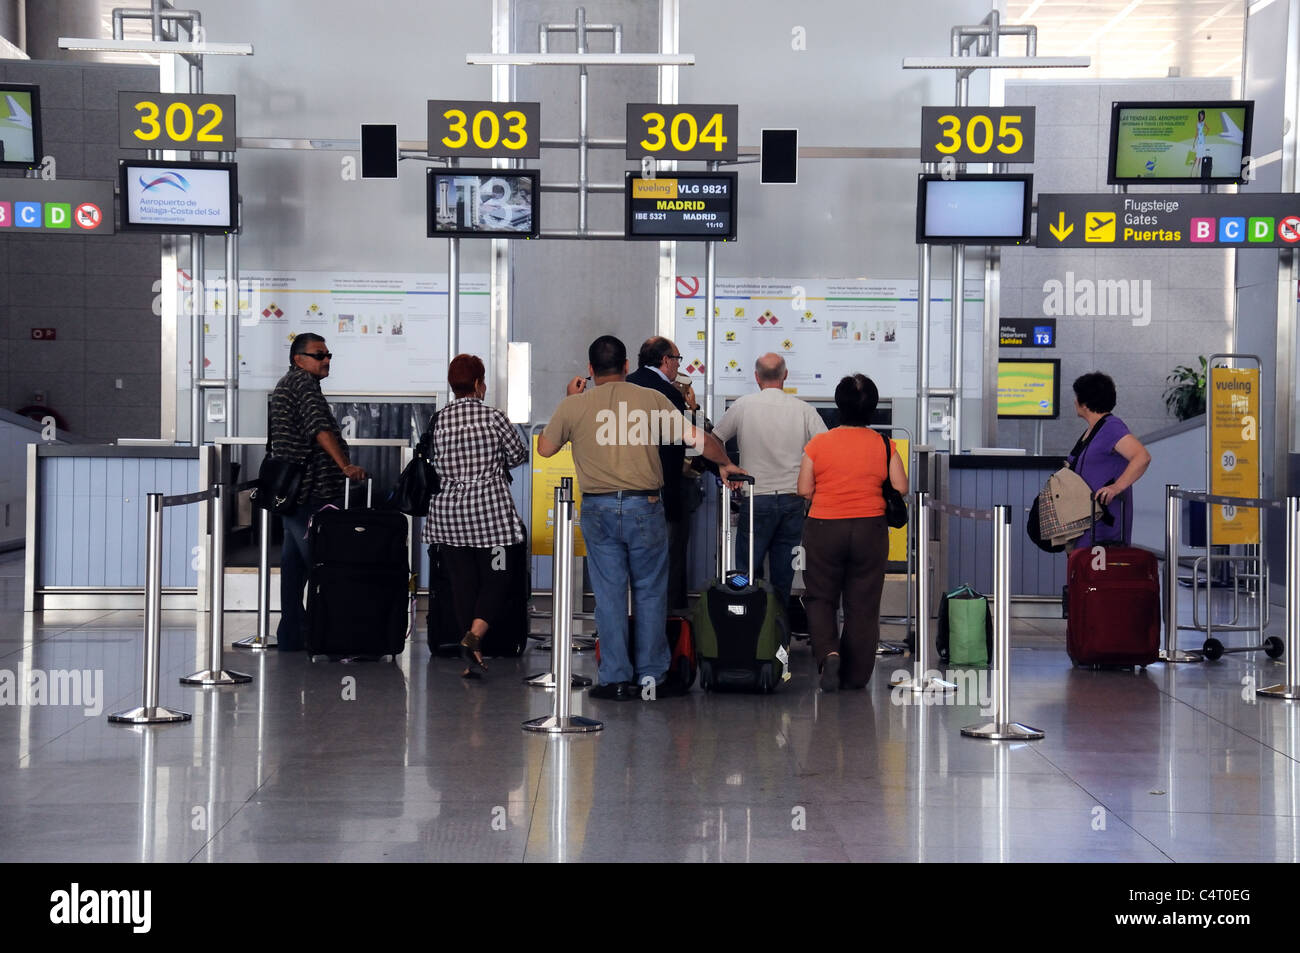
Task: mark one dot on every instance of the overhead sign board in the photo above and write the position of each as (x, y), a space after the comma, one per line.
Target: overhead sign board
(480, 128)
(977, 133)
(1169, 220)
(56, 207)
(199, 122)
(681, 132)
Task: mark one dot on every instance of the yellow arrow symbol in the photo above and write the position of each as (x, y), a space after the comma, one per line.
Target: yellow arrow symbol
(1060, 230)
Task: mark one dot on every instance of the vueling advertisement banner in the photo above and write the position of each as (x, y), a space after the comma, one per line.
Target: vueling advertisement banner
(1233, 407)
(547, 474)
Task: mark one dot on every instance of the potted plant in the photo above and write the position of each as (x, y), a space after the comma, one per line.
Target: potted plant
(1185, 396)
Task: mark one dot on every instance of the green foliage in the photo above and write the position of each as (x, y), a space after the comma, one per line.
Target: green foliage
(1185, 397)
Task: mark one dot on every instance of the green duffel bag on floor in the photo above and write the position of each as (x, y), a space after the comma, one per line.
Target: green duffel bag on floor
(965, 631)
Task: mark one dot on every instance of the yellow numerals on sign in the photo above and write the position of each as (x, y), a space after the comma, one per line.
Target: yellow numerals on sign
(179, 121)
(683, 130)
(979, 136)
(485, 128)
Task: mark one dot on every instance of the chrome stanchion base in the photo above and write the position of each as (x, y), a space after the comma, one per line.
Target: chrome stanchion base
(256, 644)
(930, 684)
(554, 725)
(547, 680)
(992, 731)
(890, 648)
(209, 677)
(148, 716)
(1289, 692)
(1181, 656)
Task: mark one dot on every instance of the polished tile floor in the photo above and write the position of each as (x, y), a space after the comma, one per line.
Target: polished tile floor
(383, 762)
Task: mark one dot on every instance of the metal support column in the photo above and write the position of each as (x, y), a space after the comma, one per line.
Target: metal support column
(1290, 689)
(215, 673)
(1170, 652)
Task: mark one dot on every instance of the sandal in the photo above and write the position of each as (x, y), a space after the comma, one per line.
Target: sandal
(469, 651)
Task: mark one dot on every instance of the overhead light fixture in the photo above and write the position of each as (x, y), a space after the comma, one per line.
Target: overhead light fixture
(995, 62)
(154, 46)
(580, 59)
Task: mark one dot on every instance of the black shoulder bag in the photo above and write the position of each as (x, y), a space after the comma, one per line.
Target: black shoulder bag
(278, 480)
(419, 482)
(895, 505)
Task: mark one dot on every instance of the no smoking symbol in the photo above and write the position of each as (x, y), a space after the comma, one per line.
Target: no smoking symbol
(88, 215)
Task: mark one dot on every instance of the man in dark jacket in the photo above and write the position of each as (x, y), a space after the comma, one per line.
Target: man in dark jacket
(658, 362)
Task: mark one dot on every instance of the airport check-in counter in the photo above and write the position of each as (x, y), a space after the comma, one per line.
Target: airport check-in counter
(961, 547)
(86, 525)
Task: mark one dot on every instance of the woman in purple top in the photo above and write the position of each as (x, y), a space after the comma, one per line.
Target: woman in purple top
(1107, 456)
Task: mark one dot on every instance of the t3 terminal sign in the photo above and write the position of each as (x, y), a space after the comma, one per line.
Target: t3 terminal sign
(1168, 220)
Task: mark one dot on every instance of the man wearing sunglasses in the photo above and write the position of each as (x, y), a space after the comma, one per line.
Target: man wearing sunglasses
(303, 429)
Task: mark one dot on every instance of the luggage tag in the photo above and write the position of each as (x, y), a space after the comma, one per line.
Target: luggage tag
(783, 657)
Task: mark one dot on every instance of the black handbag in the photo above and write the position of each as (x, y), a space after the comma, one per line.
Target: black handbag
(419, 481)
(895, 505)
(278, 480)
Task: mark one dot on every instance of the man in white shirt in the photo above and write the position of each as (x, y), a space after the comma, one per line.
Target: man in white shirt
(772, 428)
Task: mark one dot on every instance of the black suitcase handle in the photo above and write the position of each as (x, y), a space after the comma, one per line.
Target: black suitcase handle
(347, 491)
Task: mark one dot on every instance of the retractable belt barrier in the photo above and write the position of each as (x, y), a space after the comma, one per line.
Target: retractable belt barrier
(560, 721)
(1290, 689)
(1001, 728)
(150, 712)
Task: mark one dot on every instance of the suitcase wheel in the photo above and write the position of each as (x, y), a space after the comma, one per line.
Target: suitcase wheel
(1274, 647)
(706, 676)
(1213, 649)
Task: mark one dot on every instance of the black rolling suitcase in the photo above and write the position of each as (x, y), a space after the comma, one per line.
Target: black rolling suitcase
(505, 639)
(742, 639)
(359, 585)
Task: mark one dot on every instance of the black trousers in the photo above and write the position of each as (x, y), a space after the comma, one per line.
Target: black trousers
(485, 581)
(845, 559)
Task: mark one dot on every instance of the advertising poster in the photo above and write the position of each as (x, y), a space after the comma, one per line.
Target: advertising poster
(1027, 389)
(547, 474)
(1233, 408)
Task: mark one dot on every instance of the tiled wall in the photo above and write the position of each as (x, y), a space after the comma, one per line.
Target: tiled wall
(97, 293)
(1191, 289)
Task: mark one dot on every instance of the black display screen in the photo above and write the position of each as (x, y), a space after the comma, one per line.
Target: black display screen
(681, 206)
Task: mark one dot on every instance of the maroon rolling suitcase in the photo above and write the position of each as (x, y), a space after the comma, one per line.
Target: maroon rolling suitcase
(1113, 613)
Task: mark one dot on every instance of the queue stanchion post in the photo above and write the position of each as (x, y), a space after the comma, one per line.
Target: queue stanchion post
(561, 570)
(922, 680)
(264, 639)
(561, 721)
(1002, 728)
(1290, 689)
(150, 712)
(1173, 527)
(216, 673)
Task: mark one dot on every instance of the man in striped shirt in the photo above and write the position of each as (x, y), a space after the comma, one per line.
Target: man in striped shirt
(303, 429)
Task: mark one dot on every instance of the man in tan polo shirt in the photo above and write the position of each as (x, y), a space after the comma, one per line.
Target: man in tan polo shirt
(616, 429)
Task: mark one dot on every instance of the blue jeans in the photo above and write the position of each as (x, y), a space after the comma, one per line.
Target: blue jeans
(778, 527)
(627, 540)
(295, 565)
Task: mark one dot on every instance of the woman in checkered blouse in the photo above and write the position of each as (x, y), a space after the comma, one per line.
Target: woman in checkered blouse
(473, 519)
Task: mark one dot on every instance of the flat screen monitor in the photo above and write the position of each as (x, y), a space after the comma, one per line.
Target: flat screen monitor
(483, 203)
(20, 126)
(973, 209)
(681, 206)
(180, 197)
(1029, 388)
(1163, 143)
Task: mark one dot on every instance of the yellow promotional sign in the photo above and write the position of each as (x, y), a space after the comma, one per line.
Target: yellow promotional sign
(898, 537)
(547, 474)
(1232, 398)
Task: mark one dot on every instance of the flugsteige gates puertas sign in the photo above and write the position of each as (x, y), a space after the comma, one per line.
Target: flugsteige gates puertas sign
(1169, 220)
(56, 206)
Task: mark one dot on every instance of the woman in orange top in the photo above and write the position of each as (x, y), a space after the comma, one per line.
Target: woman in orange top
(845, 537)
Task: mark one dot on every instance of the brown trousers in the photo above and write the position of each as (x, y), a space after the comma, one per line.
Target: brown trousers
(845, 558)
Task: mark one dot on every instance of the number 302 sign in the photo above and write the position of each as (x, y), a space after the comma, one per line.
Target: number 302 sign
(198, 122)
